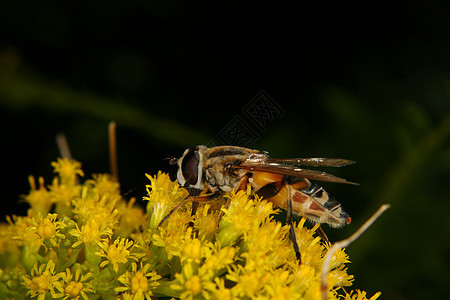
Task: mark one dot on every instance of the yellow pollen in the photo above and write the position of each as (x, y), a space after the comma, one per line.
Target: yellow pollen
(43, 282)
(211, 262)
(224, 294)
(194, 250)
(284, 294)
(74, 288)
(139, 282)
(91, 231)
(46, 229)
(117, 254)
(193, 285)
(250, 282)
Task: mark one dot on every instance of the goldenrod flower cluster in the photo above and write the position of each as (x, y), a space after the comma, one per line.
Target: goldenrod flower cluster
(84, 241)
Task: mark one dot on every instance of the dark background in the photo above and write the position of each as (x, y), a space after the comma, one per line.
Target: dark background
(365, 82)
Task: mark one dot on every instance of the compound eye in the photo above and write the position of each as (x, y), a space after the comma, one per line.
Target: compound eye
(189, 167)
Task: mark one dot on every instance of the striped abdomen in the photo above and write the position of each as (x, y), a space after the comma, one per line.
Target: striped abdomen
(308, 198)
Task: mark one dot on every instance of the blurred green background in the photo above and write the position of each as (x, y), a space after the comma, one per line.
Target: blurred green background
(368, 83)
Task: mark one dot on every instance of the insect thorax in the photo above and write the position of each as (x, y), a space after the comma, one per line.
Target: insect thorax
(219, 174)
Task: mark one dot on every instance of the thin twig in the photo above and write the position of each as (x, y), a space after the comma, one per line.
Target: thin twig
(63, 146)
(113, 150)
(343, 244)
(64, 150)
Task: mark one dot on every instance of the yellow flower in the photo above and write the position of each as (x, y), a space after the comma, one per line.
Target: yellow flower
(220, 291)
(267, 247)
(89, 236)
(90, 233)
(47, 228)
(89, 207)
(337, 276)
(258, 283)
(192, 284)
(104, 184)
(138, 284)
(163, 195)
(242, 215)
(310, 246)
(248, 284)
(19, 229)
(217, 259)
(206, 222)
(172, 237)
(42, 281)
(117, 254)
(361, 295)
(131, 218)
(67, 170)
(63, 195)
(278, 288)
(99, 245)
(269, 268)
(40, 199)
(11, 280)
(8, 243)
(192, 250)
(144, 244)
(27, 240)
(76, 286)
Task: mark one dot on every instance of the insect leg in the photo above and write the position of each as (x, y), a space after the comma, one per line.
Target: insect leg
(193, 192)
(292, 226)
(242, 185)
(322, 234)
(195, 205)
(203, 199)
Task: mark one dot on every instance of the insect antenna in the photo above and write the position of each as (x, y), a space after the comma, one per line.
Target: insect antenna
(172, 160)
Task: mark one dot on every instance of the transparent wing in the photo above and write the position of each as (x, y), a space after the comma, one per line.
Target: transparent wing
(273, 167)
(313, 162)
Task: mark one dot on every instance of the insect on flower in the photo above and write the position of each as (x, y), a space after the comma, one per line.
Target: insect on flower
(221, 169)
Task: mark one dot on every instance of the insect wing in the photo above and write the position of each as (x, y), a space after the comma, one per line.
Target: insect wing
(291, 170)
(313, 162)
